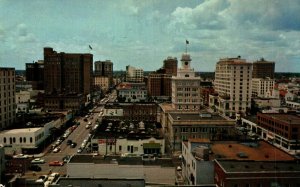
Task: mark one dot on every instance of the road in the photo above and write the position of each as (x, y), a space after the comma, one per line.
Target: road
(78, 135)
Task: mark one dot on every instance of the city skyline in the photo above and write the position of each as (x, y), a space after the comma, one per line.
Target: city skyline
(144, 33)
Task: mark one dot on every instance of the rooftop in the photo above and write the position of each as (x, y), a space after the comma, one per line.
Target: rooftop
(286, 118)
(196, 116)
(260, 151)
(126, 129)
(19, 131)
(262, 166)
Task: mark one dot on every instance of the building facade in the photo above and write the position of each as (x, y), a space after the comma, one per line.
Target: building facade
(170, 65)
(263, 69)
(104, 69)
(67, 74)
(233, 85)
(7, 97)
(134, 74)
(262, 87)
(102, 82)
(132, 92)
(159, 84)
(186, 87)
(35, 74)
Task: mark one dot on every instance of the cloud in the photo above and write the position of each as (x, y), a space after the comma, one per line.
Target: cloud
(204, 16)
(23, 35)
(274, 15)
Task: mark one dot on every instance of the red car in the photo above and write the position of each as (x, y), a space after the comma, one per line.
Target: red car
(56, 163)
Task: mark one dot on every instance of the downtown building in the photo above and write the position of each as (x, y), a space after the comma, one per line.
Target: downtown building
(7, 97)
(233, 87)
(159, 82)
(68, 80)
(134, 74)
(104, 69)
(35, 74)
(186, 87)
(263, 78)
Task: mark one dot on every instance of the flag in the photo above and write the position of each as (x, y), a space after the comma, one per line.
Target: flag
(187, 42)
(90, 47)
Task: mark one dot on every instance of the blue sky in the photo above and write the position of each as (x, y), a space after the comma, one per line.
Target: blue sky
(142, 33)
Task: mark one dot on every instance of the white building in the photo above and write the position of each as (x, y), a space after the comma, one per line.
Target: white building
(186, 87)
(233, 84)
(17, 140)
(132, 92)
(7, 97)
(197, 169)
(262, 87)
(134, 74)
(110, 146)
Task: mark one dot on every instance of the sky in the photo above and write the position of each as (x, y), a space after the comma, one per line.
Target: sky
(142, 33)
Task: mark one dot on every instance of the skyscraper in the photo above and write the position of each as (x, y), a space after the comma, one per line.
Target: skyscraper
(233, 84)
(68, 79)
(7, 97)
(186, 87)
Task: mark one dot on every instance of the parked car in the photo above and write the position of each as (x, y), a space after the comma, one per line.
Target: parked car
(66, 158)
(56, 163)
(56, 150)
(34, 167)
(37, 161)
(73, 145)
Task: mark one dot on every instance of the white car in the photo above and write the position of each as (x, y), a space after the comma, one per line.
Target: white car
(56, 150)
(37, 161)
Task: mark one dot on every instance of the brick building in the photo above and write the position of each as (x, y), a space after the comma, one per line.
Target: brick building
(66, 73)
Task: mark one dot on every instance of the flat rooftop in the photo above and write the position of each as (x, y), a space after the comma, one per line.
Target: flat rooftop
(197, 116)
(19, 131)
(286, 118)
(251, 166)
(258, 151)
(127, 160)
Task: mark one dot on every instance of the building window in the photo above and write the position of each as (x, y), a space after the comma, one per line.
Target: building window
(14, 139)
(120, 148)
(21, 139)
(30, 139)
(4, 139)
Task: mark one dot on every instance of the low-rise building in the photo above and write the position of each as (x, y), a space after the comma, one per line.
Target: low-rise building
(118, 137)
(280, 129)
(132, 92)
(201, 156)
(182, 126)
(159, 171)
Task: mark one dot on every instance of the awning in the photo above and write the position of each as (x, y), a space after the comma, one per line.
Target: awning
(151, 145)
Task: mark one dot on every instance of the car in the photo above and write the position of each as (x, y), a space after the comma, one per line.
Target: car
(56, 163)
(69, 142)
(89, 123)
(66, 158)
(56, 150)
(37, 161)
(73, 145)
(34, 167)
(42, 179)
(79, 150)
(87, 126)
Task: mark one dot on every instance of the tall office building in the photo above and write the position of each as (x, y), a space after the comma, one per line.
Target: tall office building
(104, 69)
(232, 82)
(7, 97)
(186, 87)
(159, 84)
(134, 74)
(263, 69)
(68, 79)
(170, 66)
(35, 74)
